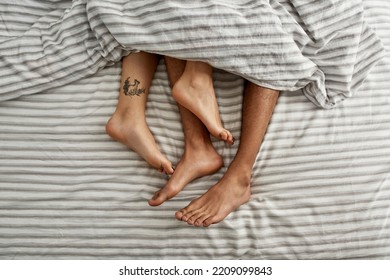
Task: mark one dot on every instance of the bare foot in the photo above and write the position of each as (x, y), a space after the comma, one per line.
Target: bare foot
(196, 93)
(137, 137)
(194, 164)
(218, 202)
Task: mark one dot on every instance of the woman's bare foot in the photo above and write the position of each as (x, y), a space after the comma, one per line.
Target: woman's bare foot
(196, 93)
(137, 136)
(197, 162)
(219, 201)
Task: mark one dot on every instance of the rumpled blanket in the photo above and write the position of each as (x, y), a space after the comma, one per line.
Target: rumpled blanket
(323, 47)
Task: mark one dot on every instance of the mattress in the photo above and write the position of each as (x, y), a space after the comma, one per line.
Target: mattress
(320, 185)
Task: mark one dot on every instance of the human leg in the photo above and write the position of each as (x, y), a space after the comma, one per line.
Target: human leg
(233, 189)
(128, 123)
(194, 90)
(199, 158)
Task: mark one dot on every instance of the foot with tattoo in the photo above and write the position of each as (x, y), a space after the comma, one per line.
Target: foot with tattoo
(128, 123)
(137, 136)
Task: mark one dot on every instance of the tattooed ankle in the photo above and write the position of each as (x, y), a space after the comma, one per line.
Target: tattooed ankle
(132, 89)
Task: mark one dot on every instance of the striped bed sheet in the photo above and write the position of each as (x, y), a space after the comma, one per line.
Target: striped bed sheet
(320, 185)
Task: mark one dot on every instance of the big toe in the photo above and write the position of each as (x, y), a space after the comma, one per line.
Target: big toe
(226, 136)
(162, 195)
(223, 135)
(179, 214)
(167, 168)
(158, 198)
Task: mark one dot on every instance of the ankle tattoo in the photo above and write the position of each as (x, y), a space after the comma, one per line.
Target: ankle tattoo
(132, 89)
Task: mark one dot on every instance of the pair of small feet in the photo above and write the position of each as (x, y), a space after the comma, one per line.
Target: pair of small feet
(195, 94)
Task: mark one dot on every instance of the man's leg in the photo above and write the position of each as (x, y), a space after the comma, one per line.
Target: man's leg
(233, 189)
(128, 123)
(200, 158)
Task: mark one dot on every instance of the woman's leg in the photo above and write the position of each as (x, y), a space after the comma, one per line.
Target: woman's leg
(194, 90)
(233, 189)
(199, 158)
(128, 123)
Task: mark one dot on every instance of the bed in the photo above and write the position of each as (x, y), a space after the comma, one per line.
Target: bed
(320, 186)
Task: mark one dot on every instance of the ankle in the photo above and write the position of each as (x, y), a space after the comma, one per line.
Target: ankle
(124, 120)
(130, 114)
(200, 80)
(198, 74)
(242, 174)
(199, 142)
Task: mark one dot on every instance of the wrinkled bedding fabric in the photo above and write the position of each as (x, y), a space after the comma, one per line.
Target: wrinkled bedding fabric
(324, 47)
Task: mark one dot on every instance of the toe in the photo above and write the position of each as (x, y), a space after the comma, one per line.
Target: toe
(189, 217)
(168, 168)
(199, 222)
(209, 221)
(191, 220)
(227, 136)
(194, 217)
(230, 139)
(182, 214)
(179, 215)
(184, 218)
(223, 135)
(164, 194)
(158, 198)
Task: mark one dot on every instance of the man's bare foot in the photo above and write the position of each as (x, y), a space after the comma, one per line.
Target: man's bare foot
(194, 164)
(196, 93)
(137, 136)
(218, 202)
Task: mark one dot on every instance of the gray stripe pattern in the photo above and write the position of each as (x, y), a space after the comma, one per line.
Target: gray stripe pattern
(320, 184)
(327, 49)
